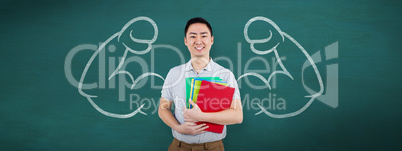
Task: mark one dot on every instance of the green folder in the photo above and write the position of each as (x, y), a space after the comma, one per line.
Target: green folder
(188, 86)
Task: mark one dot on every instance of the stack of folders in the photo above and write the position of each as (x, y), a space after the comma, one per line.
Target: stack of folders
(211, 94)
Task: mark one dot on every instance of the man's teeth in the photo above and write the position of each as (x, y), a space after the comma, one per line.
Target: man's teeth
(199, 48)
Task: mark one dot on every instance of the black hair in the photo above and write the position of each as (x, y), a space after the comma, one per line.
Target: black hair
(197, 20)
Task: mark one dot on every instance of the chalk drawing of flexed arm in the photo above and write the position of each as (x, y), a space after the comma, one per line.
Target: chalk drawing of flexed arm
(128, 49)
(283, 70)
(271, 50)
(120, 69)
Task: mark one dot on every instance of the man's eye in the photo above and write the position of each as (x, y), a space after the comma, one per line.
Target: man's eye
(192, 36)
(204, 36)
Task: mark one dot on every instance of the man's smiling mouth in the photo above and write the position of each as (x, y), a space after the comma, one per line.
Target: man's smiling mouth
(199, 48)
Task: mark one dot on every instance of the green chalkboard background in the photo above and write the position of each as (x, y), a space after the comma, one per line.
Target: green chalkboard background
(41, 109)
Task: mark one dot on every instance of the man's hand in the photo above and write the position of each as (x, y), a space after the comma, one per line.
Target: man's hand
(191, 128)
(193, 115)
(186, 128)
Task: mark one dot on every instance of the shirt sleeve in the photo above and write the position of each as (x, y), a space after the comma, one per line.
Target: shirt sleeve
(166, 89)
(232, 82)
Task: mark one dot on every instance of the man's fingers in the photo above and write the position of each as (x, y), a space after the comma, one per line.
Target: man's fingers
(194, 128)
(200, 126)
(193, 104)
(201, 129)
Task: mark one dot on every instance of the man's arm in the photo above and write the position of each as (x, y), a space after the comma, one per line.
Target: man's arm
(233, 115)
(167, 117)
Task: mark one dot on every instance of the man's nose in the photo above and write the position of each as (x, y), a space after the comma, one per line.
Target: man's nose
(198, 41)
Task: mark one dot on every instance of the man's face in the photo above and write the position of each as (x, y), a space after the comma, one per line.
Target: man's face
(199, 40)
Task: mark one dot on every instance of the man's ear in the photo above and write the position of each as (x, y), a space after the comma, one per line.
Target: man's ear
(185, 41)
(212, 40)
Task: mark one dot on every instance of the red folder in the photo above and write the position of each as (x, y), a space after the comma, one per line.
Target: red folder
(214, 97)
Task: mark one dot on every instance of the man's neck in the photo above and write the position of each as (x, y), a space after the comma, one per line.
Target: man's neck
(199, 63)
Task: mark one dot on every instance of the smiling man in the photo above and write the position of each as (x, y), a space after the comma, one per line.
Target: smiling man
(187, 134)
